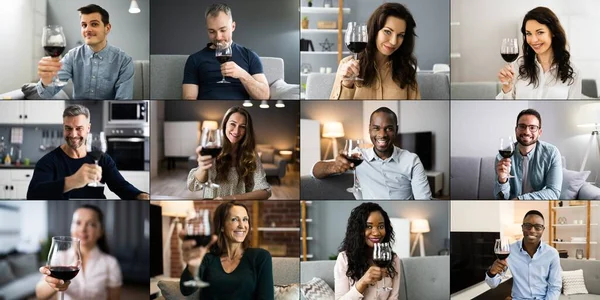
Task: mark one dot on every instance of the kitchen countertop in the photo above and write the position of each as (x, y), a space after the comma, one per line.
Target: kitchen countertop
(22, 166)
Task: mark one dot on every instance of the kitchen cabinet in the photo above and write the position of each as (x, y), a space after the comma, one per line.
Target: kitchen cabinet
(12, 189)
(139, 179)
(31, 112)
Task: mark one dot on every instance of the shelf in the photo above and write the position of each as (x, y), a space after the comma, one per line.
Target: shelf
(280, 229)
(571, 207)
(323, 52)
(573, 225)
(320, 30)
(575, 243)
(307, 256)
(573, 258)
(308, 238)
(322, 10)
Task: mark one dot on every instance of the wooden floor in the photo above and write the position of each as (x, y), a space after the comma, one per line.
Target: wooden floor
(172, 184)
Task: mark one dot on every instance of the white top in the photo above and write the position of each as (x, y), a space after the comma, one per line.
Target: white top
(549, 85)
(345, 289)
(101, 272)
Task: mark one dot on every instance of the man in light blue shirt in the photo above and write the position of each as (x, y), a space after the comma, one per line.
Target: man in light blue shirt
(536, 165)
(98, 70)
(386, 171)
(534, 265)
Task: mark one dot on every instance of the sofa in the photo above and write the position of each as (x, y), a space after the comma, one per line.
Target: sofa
(473, 178)
(486, 90)
(285, 271)
(330, 188)
(141, 86)
(433, 86)
(18, 276)
(421, 277)
(167, 77)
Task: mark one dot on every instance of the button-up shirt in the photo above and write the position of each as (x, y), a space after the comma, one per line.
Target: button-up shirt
(544, 174)
(400, 176)
(549, 84)
(537, 277)
(103, 75)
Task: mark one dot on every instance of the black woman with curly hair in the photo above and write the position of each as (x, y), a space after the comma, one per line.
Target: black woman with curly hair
(387, 65)
(545, 70)
(356, 276)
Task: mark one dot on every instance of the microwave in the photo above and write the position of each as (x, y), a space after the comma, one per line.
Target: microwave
(126, 112)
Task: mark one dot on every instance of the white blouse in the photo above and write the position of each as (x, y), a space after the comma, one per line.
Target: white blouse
(549, 85)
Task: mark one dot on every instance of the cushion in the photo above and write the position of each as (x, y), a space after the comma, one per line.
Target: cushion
(30, 91)
(22, 265)
(573, 282)
(170, 290)
(282, 90)
(287, 292)
(6, 275)
(317, 289)
(572, 182)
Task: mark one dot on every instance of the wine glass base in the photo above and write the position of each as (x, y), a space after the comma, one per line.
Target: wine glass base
(96, 184)
(59, 83)
(196, 283)
(385, 288)
(223, 81)
(353, 190)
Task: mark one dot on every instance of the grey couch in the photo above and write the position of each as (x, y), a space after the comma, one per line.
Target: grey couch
(432, 85)
(167, 77)
(473, 178)
(421, 277)
(18, 276)
(330, 188)
(286, 270)
(141, 85)
(591, 276)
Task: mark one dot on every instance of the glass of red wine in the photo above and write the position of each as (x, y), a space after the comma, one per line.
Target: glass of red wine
(223, 53)
(212, 144)
(96, 147)
(502, 251)
(54, 43)
(197, 227)
(64, 258)
(506, 149)
(353, 154)
(509, 51)
(356, 41)
(382, 257)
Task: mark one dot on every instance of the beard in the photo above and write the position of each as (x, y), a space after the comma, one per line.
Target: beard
(74, 143)
(532, 140)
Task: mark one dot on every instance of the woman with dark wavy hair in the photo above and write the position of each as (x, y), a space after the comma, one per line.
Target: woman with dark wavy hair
(238, 170)
(356, 276)
(545, 67)
(388, 66)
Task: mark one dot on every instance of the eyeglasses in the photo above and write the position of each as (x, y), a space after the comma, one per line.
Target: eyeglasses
(528, 226)
(532, 128)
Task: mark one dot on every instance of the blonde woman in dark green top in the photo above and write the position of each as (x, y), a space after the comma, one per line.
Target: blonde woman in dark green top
(233, 270)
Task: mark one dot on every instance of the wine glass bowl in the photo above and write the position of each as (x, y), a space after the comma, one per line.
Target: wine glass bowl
(197, 227)
(54, 43)
(509, 50)
(353, 154)
(507, 149)
(64, 258)
(356, 40)
(96, 149)
(212, 144)
(223, 54)
(502, 251)
(382, 257)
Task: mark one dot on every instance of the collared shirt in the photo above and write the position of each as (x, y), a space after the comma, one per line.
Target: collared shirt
(400, 176)
(549, 84)
(383, 87)
(533, 278)
(544, 175)
(103, 75)
(345, 287)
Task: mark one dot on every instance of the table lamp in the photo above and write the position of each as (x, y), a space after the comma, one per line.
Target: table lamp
(419, 226)
(332, 130)
(589, 116)
(210, 124)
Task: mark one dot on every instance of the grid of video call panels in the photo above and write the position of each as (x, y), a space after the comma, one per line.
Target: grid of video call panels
(303, 200)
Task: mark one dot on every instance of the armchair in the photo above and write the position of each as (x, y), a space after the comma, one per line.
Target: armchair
(274, 164)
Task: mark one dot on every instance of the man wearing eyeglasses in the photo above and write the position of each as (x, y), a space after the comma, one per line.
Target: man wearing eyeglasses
(536, 165)
(534, 265)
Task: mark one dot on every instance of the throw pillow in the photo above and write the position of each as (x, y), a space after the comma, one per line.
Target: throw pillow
(23, 264)
(573, 282)
(30, 91)
(317, 289)
(6, 275)
(572, 182)
(170, 290)
(282, 90)
(287, 292)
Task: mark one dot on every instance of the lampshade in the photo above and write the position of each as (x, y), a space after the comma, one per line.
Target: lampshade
(210, 125)
(263, 104)
(247, 103)
(133, 7)
(279, 104)
(419, 226)
(589, 115)
(333, 130)
(176, 208)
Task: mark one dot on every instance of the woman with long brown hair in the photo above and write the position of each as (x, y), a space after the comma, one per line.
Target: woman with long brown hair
(387, 65)
(238, 170)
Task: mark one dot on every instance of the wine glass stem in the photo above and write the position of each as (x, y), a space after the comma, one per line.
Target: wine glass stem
(96, 162)
(354, 185)
(62, 295)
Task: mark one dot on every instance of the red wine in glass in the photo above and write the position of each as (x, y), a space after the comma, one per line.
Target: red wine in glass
(223, 54)
(54, 51)
(506, 153)
(357, 47)
(509, 50)
(354, 158)
(509, 57)
(223, 58)
(502, 255)
(502, 251)
(212, 151)
(201, 240)
(54, 43)
(64, 258)
(64, 272)
(356, 40)
(382, 263)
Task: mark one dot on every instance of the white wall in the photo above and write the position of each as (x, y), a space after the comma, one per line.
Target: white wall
(479, 35)
(157, 137)
(466, 216)
(31, 221)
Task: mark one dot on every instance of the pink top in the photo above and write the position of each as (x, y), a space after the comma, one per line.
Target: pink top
(345, 289)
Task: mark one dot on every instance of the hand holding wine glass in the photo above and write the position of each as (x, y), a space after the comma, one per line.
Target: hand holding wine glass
(509, 50)
(54, 43)
(382, 257)
(212, 144)
(64, 263)
(506, 149)
(96, 149)
(223, 54)
(502, 251)
(356, 40)
(353, 154)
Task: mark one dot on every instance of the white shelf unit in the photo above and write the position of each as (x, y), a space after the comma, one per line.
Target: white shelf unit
(322, 10)
(583, 229)
(278, 229)
(573, 225)
(320, 30)
(304, 238)
(575, 243)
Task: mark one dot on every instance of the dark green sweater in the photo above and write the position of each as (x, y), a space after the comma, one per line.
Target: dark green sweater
(252, 279)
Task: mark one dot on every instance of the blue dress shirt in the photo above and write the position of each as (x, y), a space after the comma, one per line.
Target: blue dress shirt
(105, 75)
(533, 278)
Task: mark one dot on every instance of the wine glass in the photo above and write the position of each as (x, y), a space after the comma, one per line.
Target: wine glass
(353, 154)
(197, 227)
(64, 258)
(382, 257)
(223, 54)
(356, 41)
(54, 43)
(96, 148)
(212, 144)
(502, 251)
(506, 149)
(509, 51)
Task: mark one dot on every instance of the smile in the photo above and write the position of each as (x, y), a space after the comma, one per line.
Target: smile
(375, 240)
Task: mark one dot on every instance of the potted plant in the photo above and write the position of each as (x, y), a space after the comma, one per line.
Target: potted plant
(305, 23)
